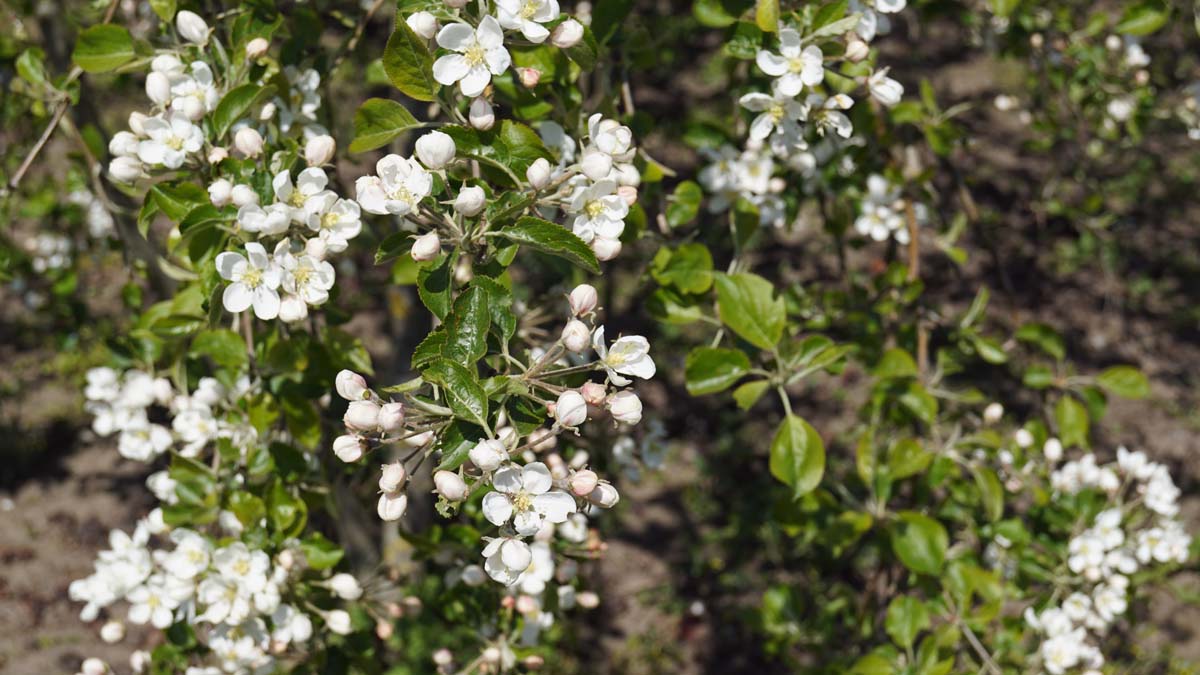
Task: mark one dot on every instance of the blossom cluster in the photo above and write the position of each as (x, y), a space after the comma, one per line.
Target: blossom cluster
(237, 597)
(127, 404)
(798, 125)
(1138, 529)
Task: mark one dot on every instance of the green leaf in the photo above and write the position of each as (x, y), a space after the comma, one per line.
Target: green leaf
(287, 513)
(895, 363)
(872, 664)
(712, 13)
(408, 63)
(906, 618)
(554, 239)
(177, 200)
(748, 394)
(394, 245)
(747, 305)
(462, 390)
(837, 27)
(225, 347)
(1142, 19)
(1072, 419)
(907, 458)
(1043, 337)
(688, 268)
(467, 326)
(434, 284)
(586, 51)
(920, 542)
(165, 9)
(988, 349)
(102, 48)
(378, 121)
(1124, 381)
(766, 15)
(248, 508)
(991, 492)
(797, 456)
(684, 203)
(709, 370)
(607, 17)
(236, 104)
(320, 553)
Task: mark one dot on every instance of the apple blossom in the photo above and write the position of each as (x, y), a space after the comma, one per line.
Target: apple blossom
(604, 495)
(625, 407)
(256, 279)
(125, 169)
(351, 386)
(170, 140)
(219, 192)
(629, 355)
(257, 48)
(583, 482)
(480, 54)
(527, 16)
(362, 416)
(524, 495)
(399, 186)
(345, 586)
(339, 622)
(506, 558)
(243, 195)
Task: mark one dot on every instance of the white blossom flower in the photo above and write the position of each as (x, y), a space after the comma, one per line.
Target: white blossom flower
(629, 355)
(273, 220)
(143, 441)
(794, 66)
(777, 112)
(599, 211)
(309, 184)
(335, 220)
(506, 558)
(255, 278)
(480, 54)
(527, 16)
(610, 137)
(304, 276)
(883, 88)
(196, 95)
(828, 116)
(524, 495)
(400, 184)
(170, 140)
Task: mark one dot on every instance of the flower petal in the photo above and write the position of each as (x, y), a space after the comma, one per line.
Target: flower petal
(497, 508)
(536, 478)
(555, 505)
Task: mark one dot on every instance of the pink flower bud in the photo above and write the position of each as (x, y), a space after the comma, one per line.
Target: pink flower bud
(605, 496)
(217, 155)
(588, 600)
(628, 193)
(339, 622)
(583, 482)
(419, 440)
(125, 169)
(351, 386)
(392, 477)
(625, 407)
(533, 662)
(348, 448)
(362, 416)
(529, 76)
(570, 410)
(526, 604)
(392, 505)
(593, 392)
(576, 337)
(450, 485)
(443, 657)
(583, 300)
(391, 417)
(257, 47)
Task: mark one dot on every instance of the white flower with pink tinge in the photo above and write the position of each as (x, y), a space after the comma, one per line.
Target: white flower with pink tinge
(256, 278)
(524, 495)
(480, 54)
